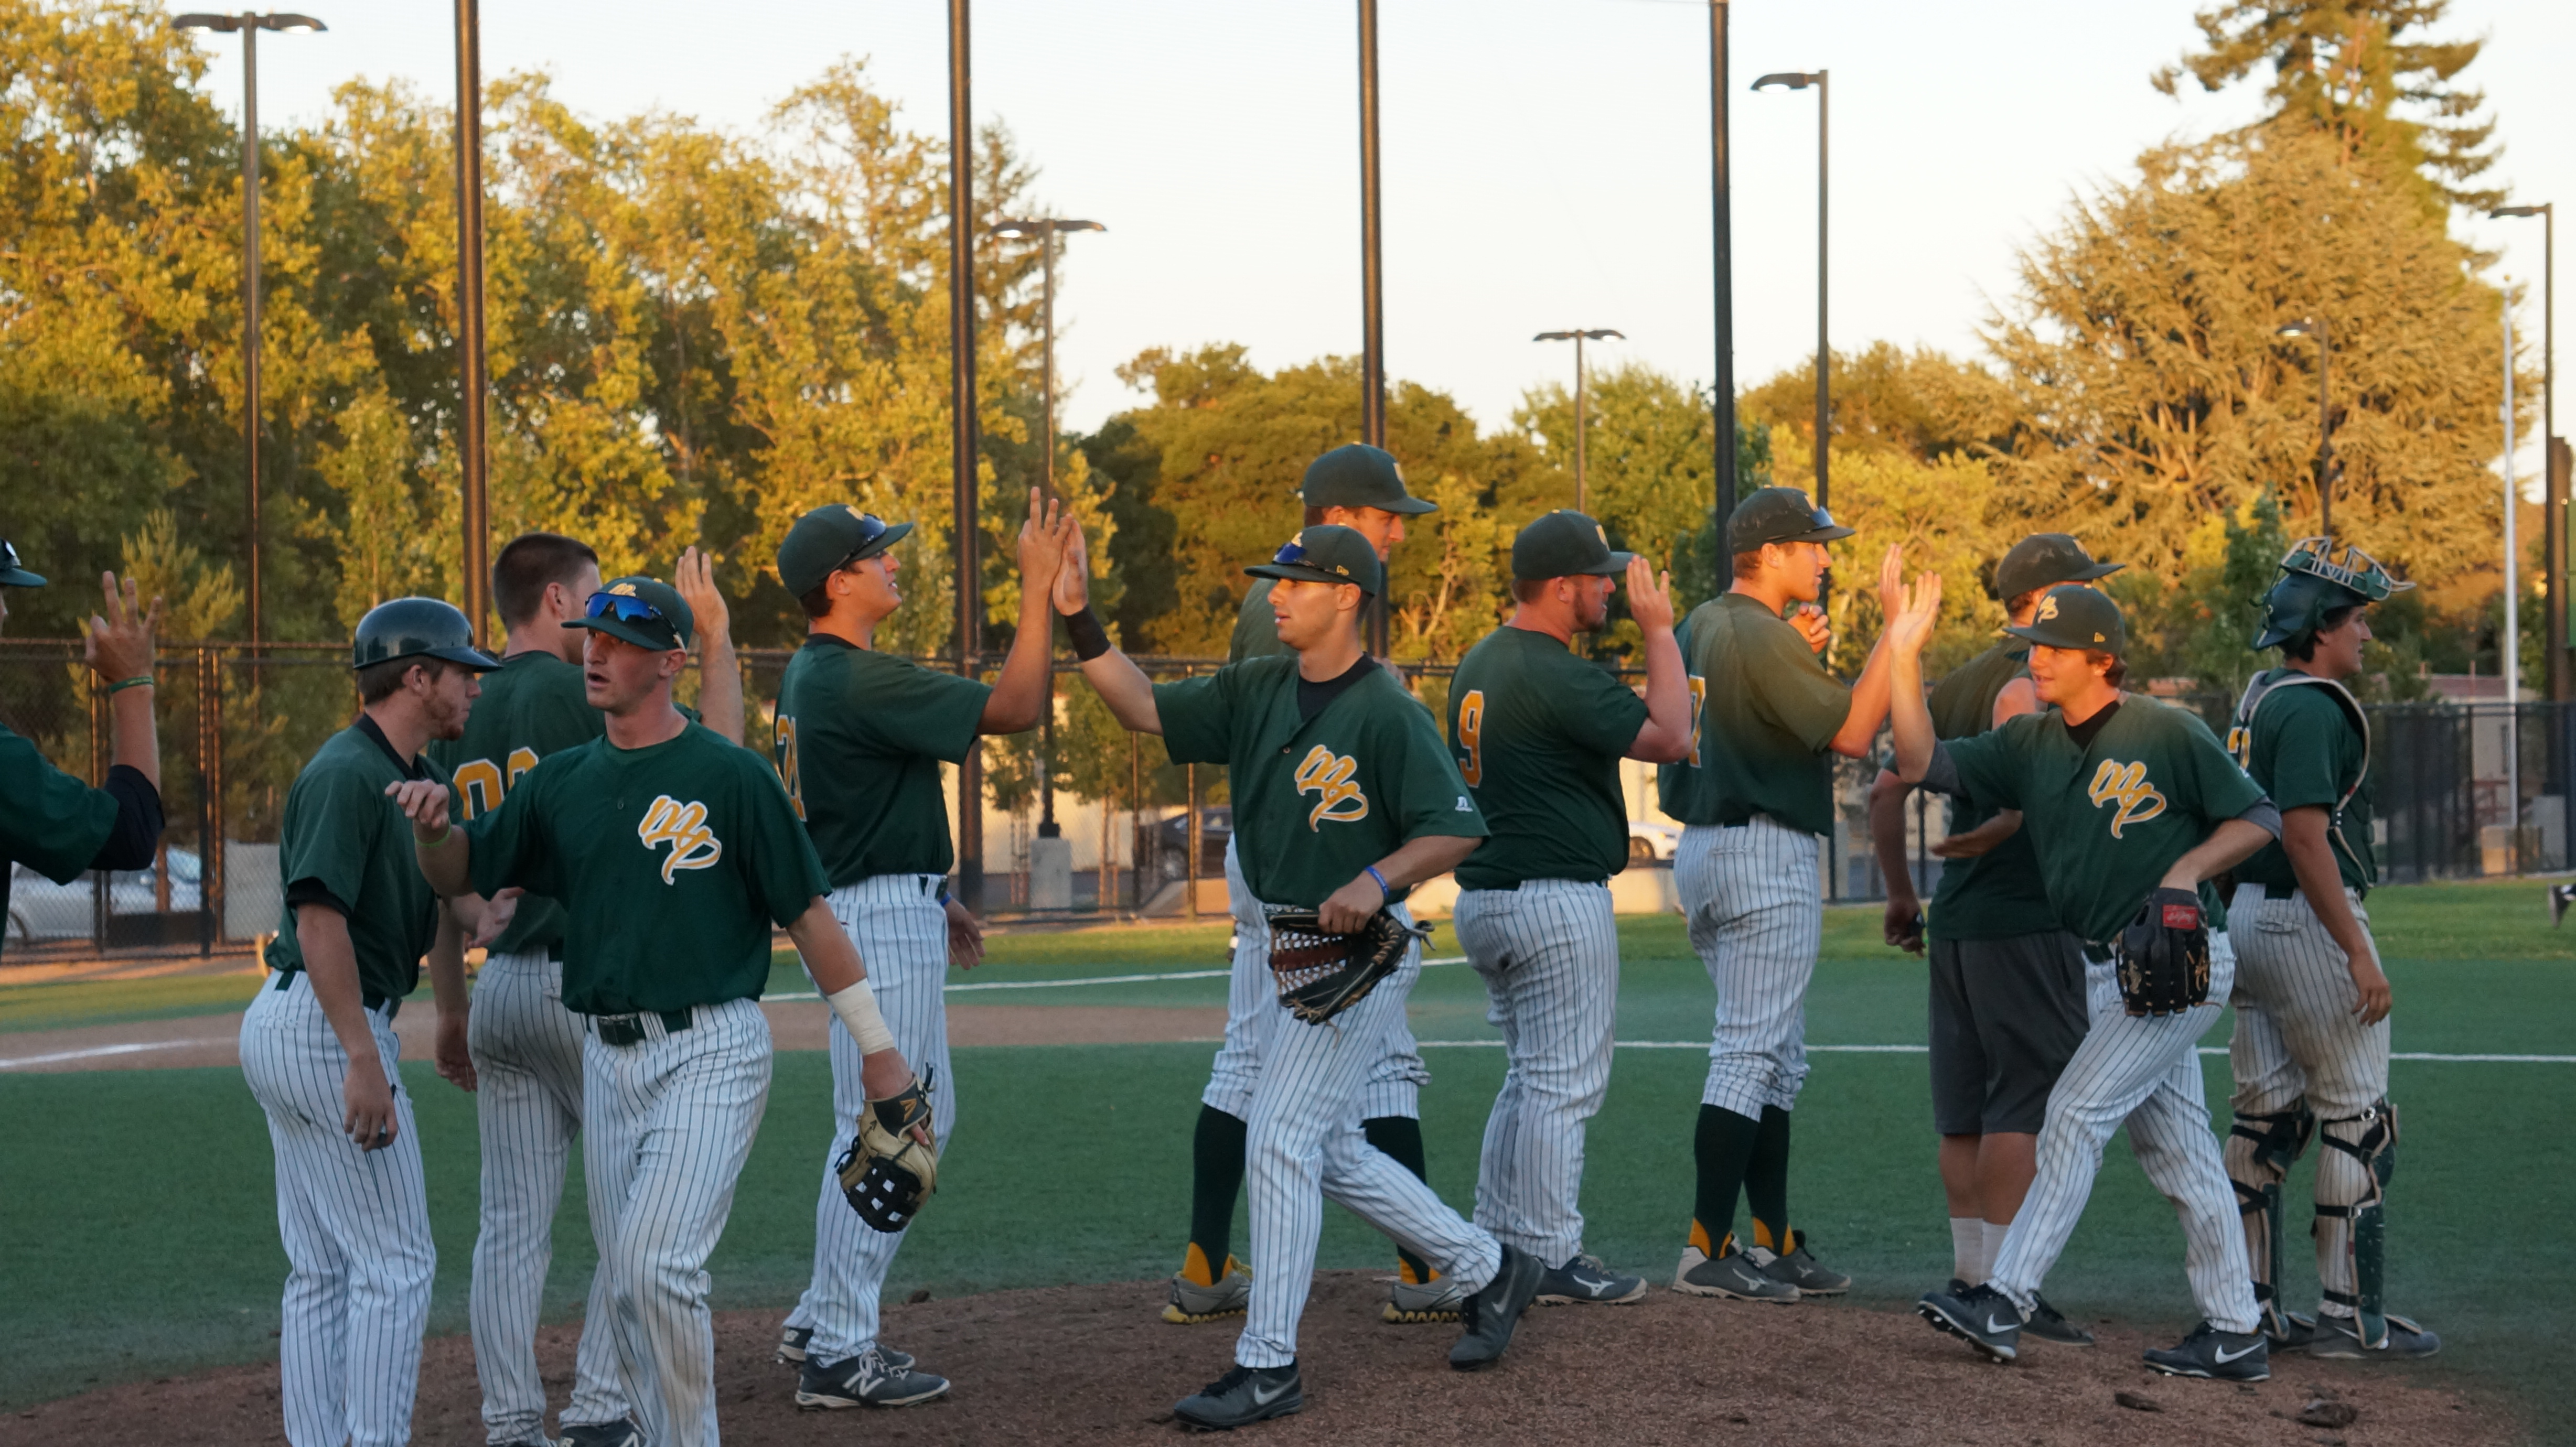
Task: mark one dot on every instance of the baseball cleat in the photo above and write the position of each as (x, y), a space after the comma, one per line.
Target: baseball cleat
(1733, 1276)
(2048, 1324)
(2227, 1356)
(2288, 1330)
(1798, 1268)
(1985, 1317)
(1493, 1312)
(2339, 1338)
(869, 1379)
(1583, 1279)
(1243, 1396)
(602, 1434)
(1188, 1303)
(2560, 896)
(792, 1341)
(1415, 1303)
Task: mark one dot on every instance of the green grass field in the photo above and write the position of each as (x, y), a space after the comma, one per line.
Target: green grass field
(143, 1241)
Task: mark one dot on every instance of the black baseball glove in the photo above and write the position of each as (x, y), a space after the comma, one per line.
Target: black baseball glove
(886, 1174)
(1321, 974)
(2164, 955)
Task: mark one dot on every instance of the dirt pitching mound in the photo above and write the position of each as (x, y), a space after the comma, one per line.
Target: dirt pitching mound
(1094, 1364)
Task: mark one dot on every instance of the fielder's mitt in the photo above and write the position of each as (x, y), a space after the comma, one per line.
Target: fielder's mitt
(2164, 955)
(885, 1173)
(1322, 974)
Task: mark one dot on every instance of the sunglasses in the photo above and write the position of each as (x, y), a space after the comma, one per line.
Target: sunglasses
(8, 556)
(625, 609)
(1290, 554)
(1821, 518)
(871, 528)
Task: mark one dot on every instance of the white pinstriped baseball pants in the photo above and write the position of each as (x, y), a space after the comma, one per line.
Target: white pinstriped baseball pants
(2296, 1033)
(527, 1110)
(901, 931)
(1305, 1146)
(1757, 921)
(2144, 1071)
(667, 1124)
(355, 1225)
(1549, 955)
(1394, 1086)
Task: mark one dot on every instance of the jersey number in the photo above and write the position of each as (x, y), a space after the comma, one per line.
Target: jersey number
(787, 764)
(1699, 700)
(479, 785)
(1471, 736)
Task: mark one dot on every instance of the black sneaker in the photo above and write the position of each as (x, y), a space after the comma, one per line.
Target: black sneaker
(2339, 1338)
(1494, 1311)
(870, 1379)
(1243, 1396)
(2560, 896)
(794, 1340)
(1985, 1317)
(2226, 1356)
(2049, 1324)
(1583, 1279)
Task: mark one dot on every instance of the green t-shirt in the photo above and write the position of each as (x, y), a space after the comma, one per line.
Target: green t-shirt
(859, 740)
(2108, 818)
(1762, 714)
(1537, 733)
(49, 821)
(672, 862)
(1372, 761)
(1998, 894)
(342, 835)
(2304, 752)
(532, 707)
(1256, 628)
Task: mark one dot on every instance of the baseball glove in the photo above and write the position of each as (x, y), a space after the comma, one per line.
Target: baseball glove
(1321, 974)
(2164, 955)
(886, 1174)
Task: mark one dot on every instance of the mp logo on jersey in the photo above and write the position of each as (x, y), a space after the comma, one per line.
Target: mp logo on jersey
(1329, 774)
(684, 828)
(2127, 786)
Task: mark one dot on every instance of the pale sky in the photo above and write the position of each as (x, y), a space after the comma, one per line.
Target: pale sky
(1546, 161)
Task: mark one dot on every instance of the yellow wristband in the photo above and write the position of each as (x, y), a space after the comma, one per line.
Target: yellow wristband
(143, 680)
(443, 831)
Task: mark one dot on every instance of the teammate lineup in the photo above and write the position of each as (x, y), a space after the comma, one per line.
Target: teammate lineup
(623, 862)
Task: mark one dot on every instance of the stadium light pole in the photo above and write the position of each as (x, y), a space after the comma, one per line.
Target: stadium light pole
(961, 437)
(474, 450)
(2553, 512)
(248, 25)
(2317, 328)
(1800, 80)
(1046, 229)
(2509, 656)
(1372, 281)
(1580, 410)
(1722, 258)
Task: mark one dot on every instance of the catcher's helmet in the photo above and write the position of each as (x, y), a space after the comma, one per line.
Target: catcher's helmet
(416, 628)
(2312, 585)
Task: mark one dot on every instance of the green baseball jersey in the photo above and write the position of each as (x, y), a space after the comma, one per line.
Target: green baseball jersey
(1998, 894)
(49, 821)
(1256, 628)
(1316, 802)
(341, 834)
(2304, 751)
(533, 706)
(1763, 711)
(1537, 733)
(2109, 817)
(859, 739)
(672, 862)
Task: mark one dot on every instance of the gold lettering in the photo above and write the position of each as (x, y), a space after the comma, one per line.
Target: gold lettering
(1326, 773)
(684, 828)
(2126, 784)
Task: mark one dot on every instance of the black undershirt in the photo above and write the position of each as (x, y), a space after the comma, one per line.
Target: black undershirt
(2084, 732)
(1313, 698)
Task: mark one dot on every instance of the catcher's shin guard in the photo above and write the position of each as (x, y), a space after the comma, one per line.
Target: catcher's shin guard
(2351, 1230)
(2260, 1150)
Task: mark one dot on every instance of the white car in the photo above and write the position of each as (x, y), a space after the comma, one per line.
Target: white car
(40, 909)
(1652, 843)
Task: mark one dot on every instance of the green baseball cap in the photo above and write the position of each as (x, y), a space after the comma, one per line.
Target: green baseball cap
(12, 574)
(1358, 475)
(646, 612)
(830, 538)
(1563, 544)
(2045, 558)
(2073, 616)
(1779, 515)
(1326, 553)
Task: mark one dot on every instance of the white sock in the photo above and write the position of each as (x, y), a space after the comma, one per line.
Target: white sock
(1968, 1249)
(1994, 1245)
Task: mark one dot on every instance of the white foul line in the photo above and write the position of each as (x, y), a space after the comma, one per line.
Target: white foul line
(96, 1051)
(1091, 980)
(1926, 1049)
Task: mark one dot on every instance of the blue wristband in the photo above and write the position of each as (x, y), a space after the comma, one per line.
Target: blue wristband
(1384, 889)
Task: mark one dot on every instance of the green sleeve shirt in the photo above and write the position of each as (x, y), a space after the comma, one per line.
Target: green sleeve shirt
(343, 835)
(49, 821)
(1317, 802)
(859, 740)
(532, 707)
(2109, 818)
(2304, 752)
(1256, 628)
(1538, 733)
(672, 862)
(1998, 894)
(1763, 712)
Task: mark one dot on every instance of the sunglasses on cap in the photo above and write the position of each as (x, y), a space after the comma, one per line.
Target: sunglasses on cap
(1822, 518)
(1290, 554)
(8, 556)
(624, 608)
(871, 528)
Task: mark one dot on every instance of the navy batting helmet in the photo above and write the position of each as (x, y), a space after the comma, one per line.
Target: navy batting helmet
(417, 628)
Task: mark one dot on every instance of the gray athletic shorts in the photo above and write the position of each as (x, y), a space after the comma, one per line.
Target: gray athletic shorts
(2006, 1017)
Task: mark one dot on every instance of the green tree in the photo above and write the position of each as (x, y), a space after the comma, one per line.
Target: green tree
(1923, 404)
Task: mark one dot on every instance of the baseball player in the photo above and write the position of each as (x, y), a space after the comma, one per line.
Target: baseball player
(2007, 983)
(1538, 732)
(860, 737)
(1358, 487)
(672, 851)
(2132, 807)
(1344, 797)
(1752, 795)
(2311, 1045)
(318, 1045)
(54, 823)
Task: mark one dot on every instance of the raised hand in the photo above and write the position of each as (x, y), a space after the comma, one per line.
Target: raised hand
(424, 802)
(1650, 598)
(1041, 545)
(695, 581)
(1073, 579)
(1919, 607)
(120, 640)
(1891, 581)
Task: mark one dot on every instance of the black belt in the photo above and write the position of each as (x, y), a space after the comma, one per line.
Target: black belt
(2291, 891)
(629, 1029)
(390, 1004)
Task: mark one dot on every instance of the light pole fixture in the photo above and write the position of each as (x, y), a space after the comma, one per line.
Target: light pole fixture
(961, 435)
(473, 451)
(2326, 469)
(1046, 229)
(1581, 424)
(1722, 258)
(2554, 509)
(1800, 80)
(248, 25)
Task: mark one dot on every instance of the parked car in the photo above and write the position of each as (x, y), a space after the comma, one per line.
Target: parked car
(1170, 843)
(40, 909)
(1652, 842)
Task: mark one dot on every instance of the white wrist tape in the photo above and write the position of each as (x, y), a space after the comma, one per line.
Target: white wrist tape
(857, 1007)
